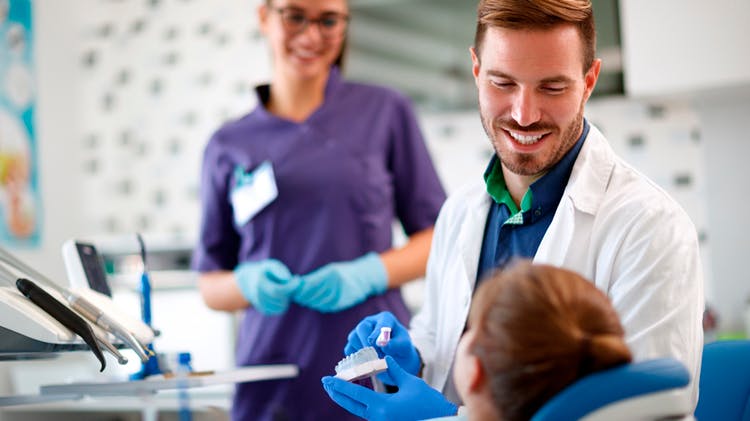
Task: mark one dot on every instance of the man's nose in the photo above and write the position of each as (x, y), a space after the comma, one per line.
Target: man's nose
(525, 109)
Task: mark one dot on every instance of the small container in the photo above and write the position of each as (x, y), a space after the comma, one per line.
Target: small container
(384, 337)
(182, 371)
(184, 362)
(170, 363)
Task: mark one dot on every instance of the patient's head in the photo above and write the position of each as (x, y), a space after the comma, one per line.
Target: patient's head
(532, 331)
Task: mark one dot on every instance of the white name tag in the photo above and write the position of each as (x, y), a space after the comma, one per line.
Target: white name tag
(252, 192)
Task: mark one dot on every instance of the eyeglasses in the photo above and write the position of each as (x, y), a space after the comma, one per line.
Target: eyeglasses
(330, 24)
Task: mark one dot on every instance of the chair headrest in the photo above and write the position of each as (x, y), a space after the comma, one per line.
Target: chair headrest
(626, 381)
(725, 381)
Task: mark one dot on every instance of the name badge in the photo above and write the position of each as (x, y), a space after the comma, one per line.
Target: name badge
(252, 192)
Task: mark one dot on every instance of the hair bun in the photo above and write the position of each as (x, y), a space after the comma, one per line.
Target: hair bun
(601, 351)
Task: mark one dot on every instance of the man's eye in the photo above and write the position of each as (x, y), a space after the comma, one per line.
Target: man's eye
(553, 89)
(502, 84)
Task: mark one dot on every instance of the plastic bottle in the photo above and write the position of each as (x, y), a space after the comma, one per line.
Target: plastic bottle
(182, 371)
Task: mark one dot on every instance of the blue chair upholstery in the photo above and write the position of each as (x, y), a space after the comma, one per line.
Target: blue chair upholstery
(725, 382)
(630, 382)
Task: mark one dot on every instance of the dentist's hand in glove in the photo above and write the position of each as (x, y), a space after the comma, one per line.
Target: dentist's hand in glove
(415, 399)
(337, 286)
(267, 284)
(399, 347)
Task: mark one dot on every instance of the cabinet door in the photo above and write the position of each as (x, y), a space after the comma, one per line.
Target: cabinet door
(685, 46)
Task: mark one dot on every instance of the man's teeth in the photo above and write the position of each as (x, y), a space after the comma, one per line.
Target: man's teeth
(525, 140)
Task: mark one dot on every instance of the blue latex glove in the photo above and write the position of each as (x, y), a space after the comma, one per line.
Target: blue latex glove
(399, 347)
(415, 399)
(337, 286)
(268, 285)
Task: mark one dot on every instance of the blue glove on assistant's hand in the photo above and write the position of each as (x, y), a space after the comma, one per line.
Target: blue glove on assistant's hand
(337, 286)
(268, 285)
(399, 347)
(415, 399)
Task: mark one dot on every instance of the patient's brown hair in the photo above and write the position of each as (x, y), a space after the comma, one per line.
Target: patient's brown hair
(538, 329)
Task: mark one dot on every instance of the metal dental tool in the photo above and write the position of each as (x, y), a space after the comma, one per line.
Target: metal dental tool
(62, 314)
(96, 316)
(83, 306)
(103, 338)
(98, 333)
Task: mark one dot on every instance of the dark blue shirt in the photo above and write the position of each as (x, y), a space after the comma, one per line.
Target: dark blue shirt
(512, 233)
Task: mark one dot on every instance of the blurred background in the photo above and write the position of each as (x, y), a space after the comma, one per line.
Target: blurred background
(107, 104)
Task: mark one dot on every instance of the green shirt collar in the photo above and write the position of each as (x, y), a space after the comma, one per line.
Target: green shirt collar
(498, 190)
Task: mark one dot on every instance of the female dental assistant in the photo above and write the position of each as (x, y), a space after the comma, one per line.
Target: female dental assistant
(298, 201)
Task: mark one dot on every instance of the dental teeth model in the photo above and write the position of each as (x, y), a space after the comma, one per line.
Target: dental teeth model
(360, 364)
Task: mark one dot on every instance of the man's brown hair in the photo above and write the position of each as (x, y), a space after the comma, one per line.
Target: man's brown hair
(538, 15)
(538, 329)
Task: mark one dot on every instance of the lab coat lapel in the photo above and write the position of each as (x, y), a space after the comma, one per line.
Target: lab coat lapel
(567, 238)
(471, 234)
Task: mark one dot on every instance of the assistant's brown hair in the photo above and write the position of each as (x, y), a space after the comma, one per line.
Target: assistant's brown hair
(539, 14)
(538, 329)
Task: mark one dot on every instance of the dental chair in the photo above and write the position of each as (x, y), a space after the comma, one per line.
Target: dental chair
(647, 390)
(725, 382)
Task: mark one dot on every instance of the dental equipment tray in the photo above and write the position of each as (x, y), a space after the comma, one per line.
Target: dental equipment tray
(153, 384)
(16, 346)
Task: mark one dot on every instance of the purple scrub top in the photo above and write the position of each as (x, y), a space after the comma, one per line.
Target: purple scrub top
(358, 163)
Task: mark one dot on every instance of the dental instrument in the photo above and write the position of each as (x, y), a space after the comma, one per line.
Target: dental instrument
(99, 335)
(90, 311)
(61, 313)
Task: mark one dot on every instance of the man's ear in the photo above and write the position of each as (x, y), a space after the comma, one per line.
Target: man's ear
(475, 65)
(592, 75)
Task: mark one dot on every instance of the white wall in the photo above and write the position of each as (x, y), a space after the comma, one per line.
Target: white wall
(726, 155)
(681, 46)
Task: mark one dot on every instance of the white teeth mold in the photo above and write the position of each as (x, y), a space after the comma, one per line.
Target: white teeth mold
(361, 364)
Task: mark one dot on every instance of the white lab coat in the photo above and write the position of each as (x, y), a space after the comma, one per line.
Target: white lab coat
(613, 226)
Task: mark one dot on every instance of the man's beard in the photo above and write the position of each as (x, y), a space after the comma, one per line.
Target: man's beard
(522, 164)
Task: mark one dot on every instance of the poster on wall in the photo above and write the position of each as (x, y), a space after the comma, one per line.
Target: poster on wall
(20, 206)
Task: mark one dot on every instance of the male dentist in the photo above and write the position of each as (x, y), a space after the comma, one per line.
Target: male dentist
(555, 192)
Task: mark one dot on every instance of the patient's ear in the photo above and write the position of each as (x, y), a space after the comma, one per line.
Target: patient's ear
(479, 393)
(475, 376)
